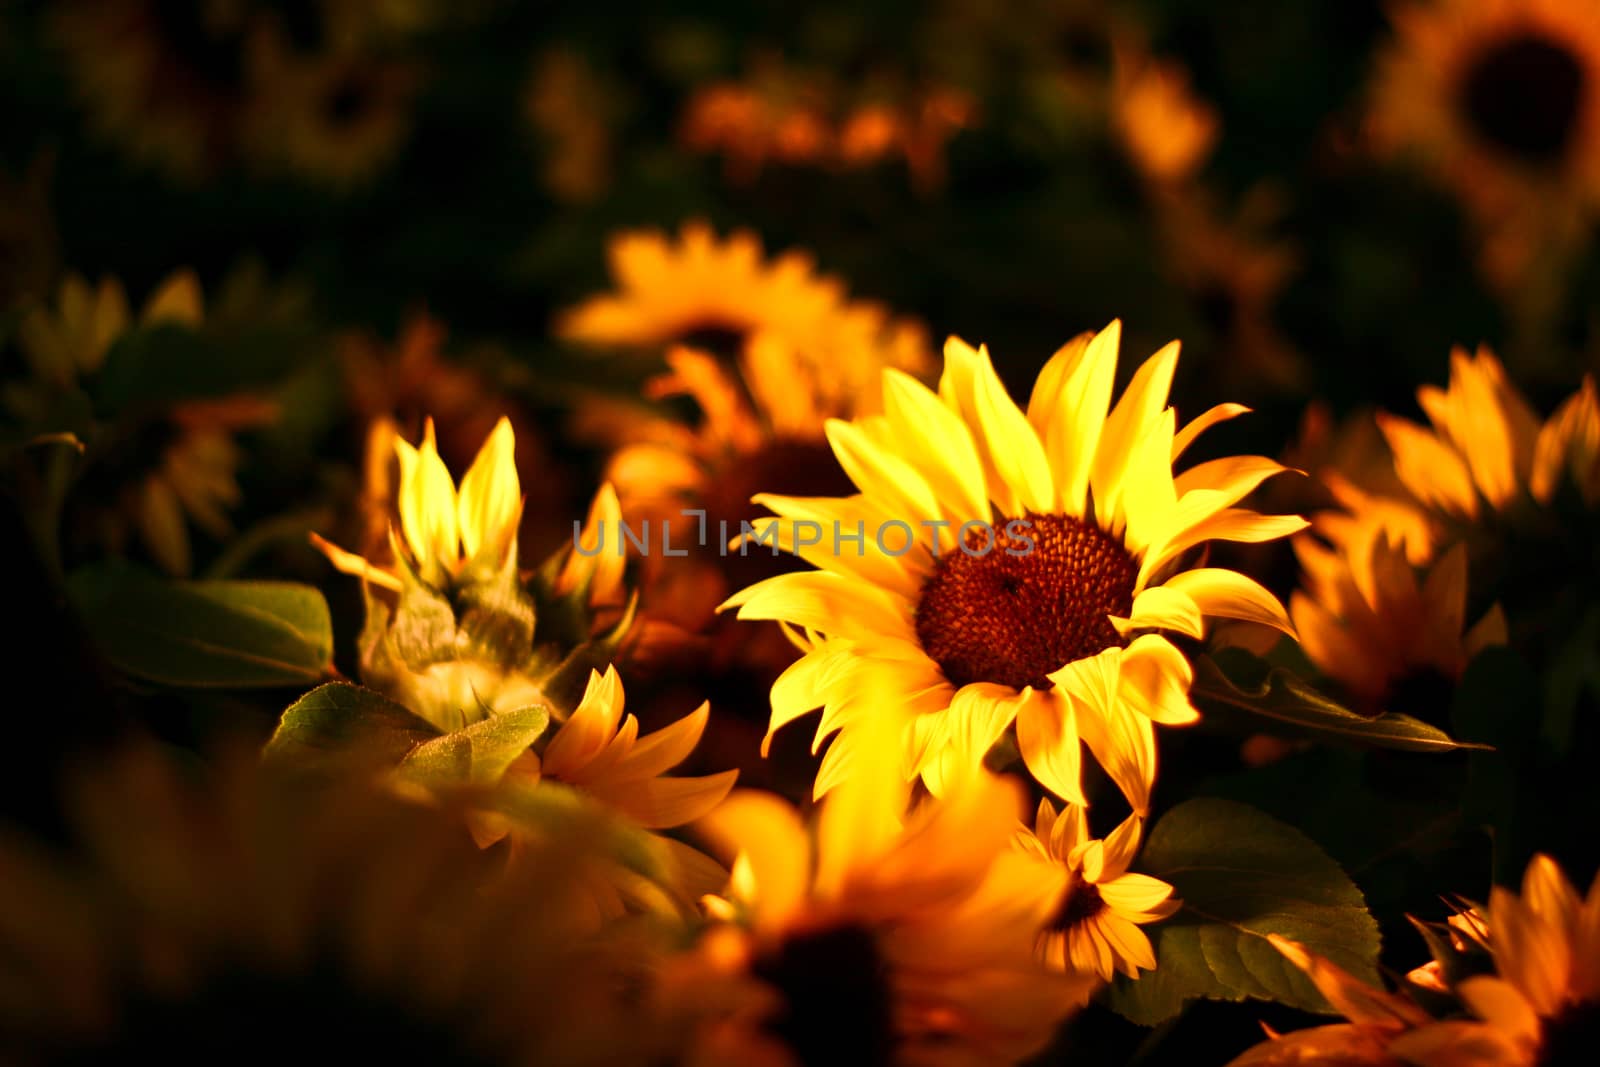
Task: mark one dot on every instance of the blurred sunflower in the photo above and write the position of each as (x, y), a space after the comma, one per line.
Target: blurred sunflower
(1014, 568)
(1364, 620)
(721, 295)
(791, 117)
(396, 388)
(199, 913)
(337, 115)
(1094, 929)
(880, 942)
(1501, 98)
(166, 81)
(1165, 129)
(1486, 458)
(788, 351)
(1376, 1018)
(771, 116)
(1543, 1004)
(153, 472)
(1541, 1007)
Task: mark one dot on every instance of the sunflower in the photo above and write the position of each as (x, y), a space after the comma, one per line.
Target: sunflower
(1501, 99)
(450, 537)
(453, 633)
(1094, 929)
(1542, 1006)
(237, 914)
(159, 471)
(1014, 567)
(883, 942)
(1486, 463)
(710, 293)
(337, 115)
(789, 351)
(1479, 455)
(1365, 621)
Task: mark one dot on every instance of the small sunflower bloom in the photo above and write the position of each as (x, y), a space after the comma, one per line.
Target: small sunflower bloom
(1015, 567)
(446, 532)
(1094, 930)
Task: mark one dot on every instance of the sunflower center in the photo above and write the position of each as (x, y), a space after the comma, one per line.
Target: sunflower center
(349, 100)
(1571, 1036)
(1525, 95)
(1029, 605)
(1081, 903)
(835, 989)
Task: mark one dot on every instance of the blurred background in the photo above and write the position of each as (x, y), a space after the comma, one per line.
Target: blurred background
(362, 209)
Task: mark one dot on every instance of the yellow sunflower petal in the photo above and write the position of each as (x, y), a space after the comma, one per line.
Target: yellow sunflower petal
(1068, 409)
(1190, 431)
(1162, 607)
(1498, 1003)
(1231, 595)
(1047, 736)
(658, 803)
(1133, 417)
(427, 501)
(1012, 446)
(881, 474)
(940, 441)
(1154, 679)
(1432, 470)
(1136, 894)
(491, 495)
(658, 752)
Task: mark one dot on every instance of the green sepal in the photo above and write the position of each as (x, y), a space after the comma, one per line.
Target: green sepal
(478, 754)
(344, 727)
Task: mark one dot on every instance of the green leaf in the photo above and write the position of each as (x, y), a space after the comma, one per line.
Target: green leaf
(1241, 876)
(342, 726)
(1234, 688)
(478, 754)
(227, 634)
